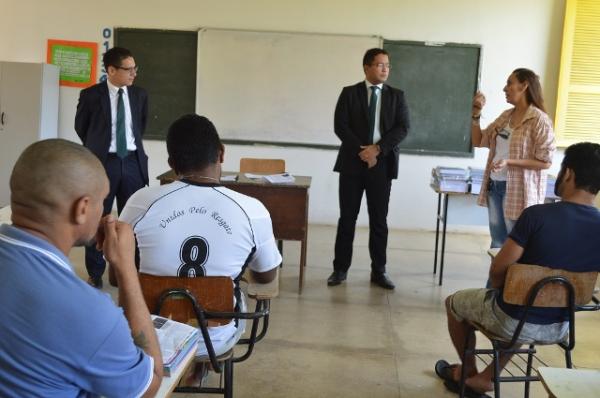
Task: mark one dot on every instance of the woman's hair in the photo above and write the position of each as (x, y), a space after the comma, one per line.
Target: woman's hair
(534, 88)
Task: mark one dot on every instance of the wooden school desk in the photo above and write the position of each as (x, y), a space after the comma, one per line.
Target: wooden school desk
(287, 204)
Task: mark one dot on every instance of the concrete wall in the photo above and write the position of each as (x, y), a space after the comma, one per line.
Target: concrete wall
(513, 33)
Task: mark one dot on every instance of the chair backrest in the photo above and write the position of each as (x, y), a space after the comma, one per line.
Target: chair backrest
(214, 293)
(253, 165)
(520, 278)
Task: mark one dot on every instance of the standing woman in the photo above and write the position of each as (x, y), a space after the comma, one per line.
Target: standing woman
(521, 142)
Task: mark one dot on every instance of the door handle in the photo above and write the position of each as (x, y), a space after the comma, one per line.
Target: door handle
(2, 118)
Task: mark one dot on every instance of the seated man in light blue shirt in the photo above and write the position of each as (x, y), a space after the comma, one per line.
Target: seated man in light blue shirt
(51, 343)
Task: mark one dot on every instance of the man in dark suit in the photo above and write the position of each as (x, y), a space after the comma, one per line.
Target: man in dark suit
(110, 120)
(371, 119)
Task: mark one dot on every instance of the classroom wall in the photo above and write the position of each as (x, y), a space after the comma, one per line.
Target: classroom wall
(513, 33)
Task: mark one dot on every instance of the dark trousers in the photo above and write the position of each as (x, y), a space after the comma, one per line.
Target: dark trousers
(375, 183)
(125, 178)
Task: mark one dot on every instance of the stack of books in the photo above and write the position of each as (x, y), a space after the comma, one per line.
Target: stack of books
(550, 183)
(450, 179)
(475, 178)
(176, 340)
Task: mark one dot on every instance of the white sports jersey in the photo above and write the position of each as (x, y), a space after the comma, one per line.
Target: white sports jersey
(188, 229)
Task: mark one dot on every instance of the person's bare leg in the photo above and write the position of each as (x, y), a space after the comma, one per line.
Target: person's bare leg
(194, 375)
(482, 382)
(458, 333)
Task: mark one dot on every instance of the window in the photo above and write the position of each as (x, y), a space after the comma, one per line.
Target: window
(578, 103)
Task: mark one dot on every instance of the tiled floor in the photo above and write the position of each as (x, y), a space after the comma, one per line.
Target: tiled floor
(356, 340)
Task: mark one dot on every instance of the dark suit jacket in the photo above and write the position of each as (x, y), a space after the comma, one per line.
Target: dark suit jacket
(93, 121)
(351, 125)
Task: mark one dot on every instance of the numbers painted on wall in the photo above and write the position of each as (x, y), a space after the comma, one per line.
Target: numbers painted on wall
(106, 39)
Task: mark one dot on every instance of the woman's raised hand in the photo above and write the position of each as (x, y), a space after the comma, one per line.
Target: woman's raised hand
(478, 103)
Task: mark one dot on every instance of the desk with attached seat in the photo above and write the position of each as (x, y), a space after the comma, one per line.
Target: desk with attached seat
(169, 383)
(570, 383)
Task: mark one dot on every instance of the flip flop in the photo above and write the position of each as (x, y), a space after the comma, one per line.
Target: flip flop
(454, 387)
(444, 370)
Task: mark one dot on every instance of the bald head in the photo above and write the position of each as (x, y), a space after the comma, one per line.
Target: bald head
(49, 175)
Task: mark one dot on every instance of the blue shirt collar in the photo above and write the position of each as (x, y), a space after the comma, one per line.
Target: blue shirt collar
(28, 241)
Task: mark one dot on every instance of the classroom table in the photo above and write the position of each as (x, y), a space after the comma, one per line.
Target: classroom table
(169, 383)
(287, 204)
(442, 215)
(570, 383)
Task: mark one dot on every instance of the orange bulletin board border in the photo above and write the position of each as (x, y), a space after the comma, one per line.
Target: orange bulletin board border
(77, 60)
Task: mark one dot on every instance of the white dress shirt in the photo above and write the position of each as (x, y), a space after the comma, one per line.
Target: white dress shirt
(113, 94)
(377, 131)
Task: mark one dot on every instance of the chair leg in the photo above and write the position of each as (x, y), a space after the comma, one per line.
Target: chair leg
(496, 373)
(228, 376)
(529, 368)
(568, 358)
(463, 374)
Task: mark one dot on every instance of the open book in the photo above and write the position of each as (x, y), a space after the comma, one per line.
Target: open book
(176, 340)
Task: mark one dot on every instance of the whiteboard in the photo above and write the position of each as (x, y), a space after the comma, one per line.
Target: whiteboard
(276, 87)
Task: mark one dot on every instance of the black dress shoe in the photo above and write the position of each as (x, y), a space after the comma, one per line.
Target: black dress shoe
(336, 278)
(95, 282)
(382, 280)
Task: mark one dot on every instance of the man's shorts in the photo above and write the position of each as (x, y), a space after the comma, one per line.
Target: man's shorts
(479, 306)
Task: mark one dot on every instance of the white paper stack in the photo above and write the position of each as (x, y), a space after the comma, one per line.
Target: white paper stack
(450, 179)
(230, 178)
(283, 178)
(550, 183)
(475, 178)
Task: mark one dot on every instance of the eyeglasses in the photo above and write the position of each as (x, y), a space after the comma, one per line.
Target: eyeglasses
(130, 70)
(381, 66)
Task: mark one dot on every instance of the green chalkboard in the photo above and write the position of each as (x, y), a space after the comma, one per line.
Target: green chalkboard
(439, 80)
(167, 62)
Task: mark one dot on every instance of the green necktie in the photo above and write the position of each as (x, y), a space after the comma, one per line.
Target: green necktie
(121, 138)
(372, 111)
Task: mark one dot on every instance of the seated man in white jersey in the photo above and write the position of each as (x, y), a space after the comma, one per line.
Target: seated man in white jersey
(196, 227)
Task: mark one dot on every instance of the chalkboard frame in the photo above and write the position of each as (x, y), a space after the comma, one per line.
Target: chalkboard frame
(459, 138)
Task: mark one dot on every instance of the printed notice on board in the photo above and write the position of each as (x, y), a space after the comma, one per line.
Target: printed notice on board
(77, 61)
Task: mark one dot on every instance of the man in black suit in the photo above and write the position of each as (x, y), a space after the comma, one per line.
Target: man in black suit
(371, 119)
(110, 120)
